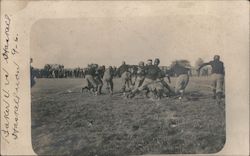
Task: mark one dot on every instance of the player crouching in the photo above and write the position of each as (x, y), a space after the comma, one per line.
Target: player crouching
(92, 84)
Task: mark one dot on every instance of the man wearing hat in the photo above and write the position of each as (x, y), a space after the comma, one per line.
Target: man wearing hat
(218, 73)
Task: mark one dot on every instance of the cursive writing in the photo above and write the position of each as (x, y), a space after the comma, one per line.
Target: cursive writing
(5, 128)
(5, 53)
(16, 100)
(10, 86)
(6, 75)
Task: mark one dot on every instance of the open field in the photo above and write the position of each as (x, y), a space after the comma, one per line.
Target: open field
(65, 121)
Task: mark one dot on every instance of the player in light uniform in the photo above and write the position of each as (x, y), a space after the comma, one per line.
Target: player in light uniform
(108, 79)
(125, 75)
(140, 76)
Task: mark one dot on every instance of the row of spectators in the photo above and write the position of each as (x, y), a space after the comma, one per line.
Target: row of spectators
(58, 71)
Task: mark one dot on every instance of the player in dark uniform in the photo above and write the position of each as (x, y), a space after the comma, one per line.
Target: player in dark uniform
(32, 75)
(182, 77)
(98, 77)
(123, 72)
(162, 75)
(218, 73)
(92, 84)
(152, 73)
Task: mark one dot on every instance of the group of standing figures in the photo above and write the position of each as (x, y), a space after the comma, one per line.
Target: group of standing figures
(150, 78)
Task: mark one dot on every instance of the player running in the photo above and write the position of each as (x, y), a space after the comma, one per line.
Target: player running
(181, 71)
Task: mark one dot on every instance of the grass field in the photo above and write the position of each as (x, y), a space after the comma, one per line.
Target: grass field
(65, 121)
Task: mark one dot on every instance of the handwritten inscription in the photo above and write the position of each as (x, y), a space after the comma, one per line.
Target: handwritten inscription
(11, 75)
(14, 50)
(5, 53)
(5, 128)
(16, 100)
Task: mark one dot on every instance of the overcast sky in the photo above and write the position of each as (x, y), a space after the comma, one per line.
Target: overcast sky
(110, 40)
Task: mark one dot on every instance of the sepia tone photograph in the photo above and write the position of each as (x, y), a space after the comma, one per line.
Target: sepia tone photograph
(127, 86)
(114, 78)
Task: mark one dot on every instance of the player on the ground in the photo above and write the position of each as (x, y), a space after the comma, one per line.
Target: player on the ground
(162, 75)
(152, 72)
(218, 73)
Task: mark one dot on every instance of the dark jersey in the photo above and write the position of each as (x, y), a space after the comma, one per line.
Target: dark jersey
(32, 77)
(91, 71)
(179, 70)
(100, 72)
(123, 68)
(217, 67)
(140, 71)
(152, 72)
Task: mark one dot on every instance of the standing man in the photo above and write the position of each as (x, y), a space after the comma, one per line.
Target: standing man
(181, 71)
(140, 75)
(98, 77)
(124, 73)
(32, 75)
(218, 73)
(108, 78)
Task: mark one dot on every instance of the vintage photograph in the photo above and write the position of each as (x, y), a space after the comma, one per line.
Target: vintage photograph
(127, 86)
(119, 78)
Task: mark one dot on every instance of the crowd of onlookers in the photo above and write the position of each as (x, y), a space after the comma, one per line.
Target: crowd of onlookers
(58, 71)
